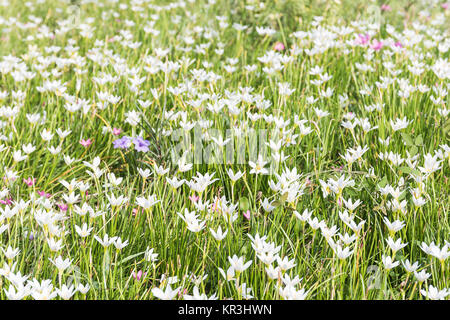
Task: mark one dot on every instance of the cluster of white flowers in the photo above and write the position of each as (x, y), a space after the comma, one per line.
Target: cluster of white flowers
(340, 128)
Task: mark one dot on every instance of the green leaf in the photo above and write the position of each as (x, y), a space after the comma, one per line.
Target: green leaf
(407, 139)
(130, 257)
(419, 140)
(405, 169)
(284, 197)
(277, 203)
(244, 204)
(383, 182)
(106, 262)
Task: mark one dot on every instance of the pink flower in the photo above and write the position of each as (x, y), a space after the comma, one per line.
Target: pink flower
(247, 214)
(135, 211)
(43, 194)
(308, 182)
(215, 206)
(139, 275)
(398, 44)
(86, 143)
(386, 7)
(363, 39)
(376, 45)
(279, 46)
(63, 206)
(194, 198)
(116, 131)
(182, 293)
(8, 180)
(30, 181)
(8, 201)
(445, 5)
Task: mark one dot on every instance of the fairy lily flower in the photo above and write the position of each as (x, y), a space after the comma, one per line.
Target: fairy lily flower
(106, 241)
(278, 46)
(273, 273)
(61, 264)
(116, 202)
(44, 194)
(144, 173)
(138, 275)
(410, 267)
(83, 231)
(167, 294)
(16, 292)
(267, 206)
(160, 171)
(218, 235)
(147, 203)
(267, 257)
(376, 45)
(363, 39)
(66, 292)
(197, 296)
(435, 251)
(258, 166)
(245, 292)
(86, 143)
(434, 293)
(422, 275)
(234, 177)
(290, 293)
(150, 256)
(395, 226)
(285, 264)
(44, 293)
(116, 131)
(192, 221)
(238, 263)
(119, 244)
(83, 289)
(389, 263)
(194, 198)
(10, 253)
(395, 245)
(63, 206)
(399, 124)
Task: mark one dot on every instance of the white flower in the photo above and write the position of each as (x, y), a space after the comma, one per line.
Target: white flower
(238, 263)
(434, 293)
(150, 256)
(66, 292)
(167, 294)
(148, 202)
(61, 264)
(389, 263)
(84, 231)
(218, 235)
(258, 166)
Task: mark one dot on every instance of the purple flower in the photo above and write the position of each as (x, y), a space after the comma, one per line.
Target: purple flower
(141, 144)
(122, 143)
